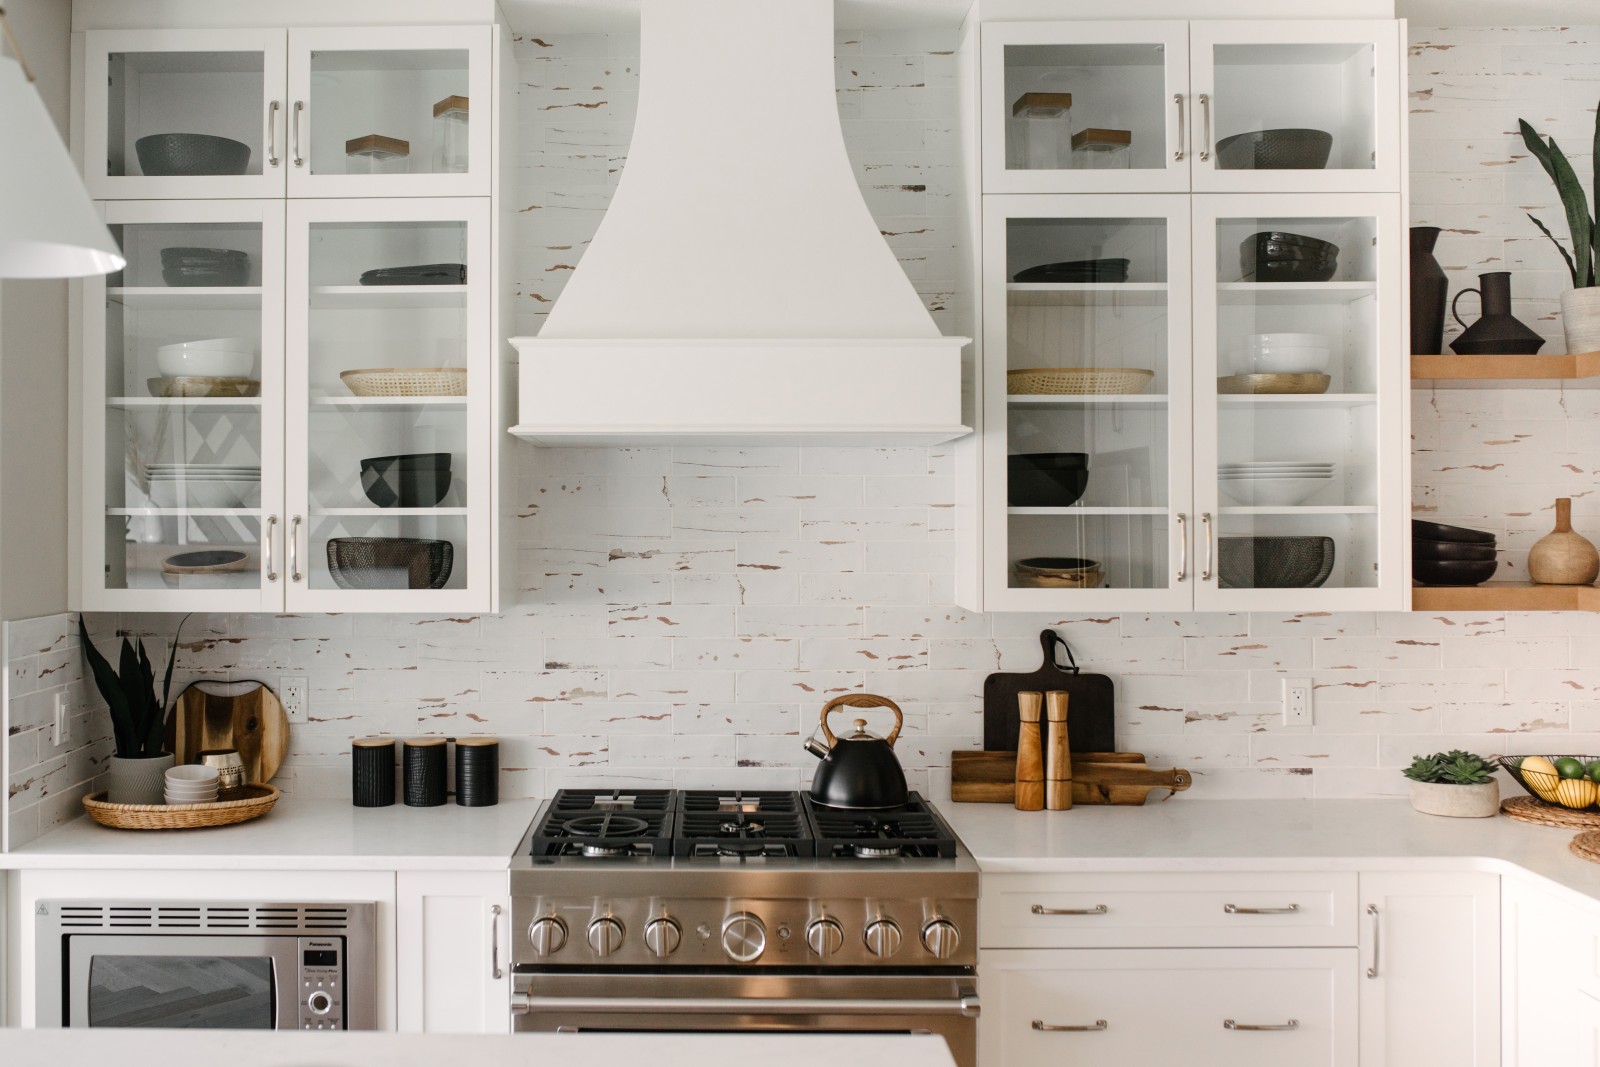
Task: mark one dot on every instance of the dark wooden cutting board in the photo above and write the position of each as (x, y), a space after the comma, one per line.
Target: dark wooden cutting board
(1091, 701)
(245, 716)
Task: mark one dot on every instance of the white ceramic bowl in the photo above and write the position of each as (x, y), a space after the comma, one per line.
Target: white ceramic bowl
(204, 798)
(191, 774)
(191, 796)
(1296, 340)
(1282, 359)
(1272, 492)
(219, 357)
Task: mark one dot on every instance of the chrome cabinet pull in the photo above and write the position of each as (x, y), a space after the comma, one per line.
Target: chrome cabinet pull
(1205, 127)
(495, 971)
(272, 565)
(1292, 1024)
(1377, 929)
(272, 133)
(294, 139)
(1098, 909)
(1234, 909)
(1183, 547)
(1177, 153)
(1040, 1024)
(294, 549)
(1205, 521)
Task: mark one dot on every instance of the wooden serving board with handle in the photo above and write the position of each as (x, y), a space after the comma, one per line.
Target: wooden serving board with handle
(1097, 778)
(1091, 725)
(246, 716)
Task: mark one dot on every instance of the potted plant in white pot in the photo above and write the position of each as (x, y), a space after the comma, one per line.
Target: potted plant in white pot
(138, 719)
(1580, 305)
(1455, 783)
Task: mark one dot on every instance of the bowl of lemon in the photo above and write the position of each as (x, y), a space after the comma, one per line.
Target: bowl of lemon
(1567, 781)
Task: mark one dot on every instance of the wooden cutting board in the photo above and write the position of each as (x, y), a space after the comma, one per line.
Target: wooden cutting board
(1091, 699)
(247, 717)
(1097, 778)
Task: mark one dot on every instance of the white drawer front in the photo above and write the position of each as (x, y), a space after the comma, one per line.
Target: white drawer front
(1167, 910)
(1142, 1006)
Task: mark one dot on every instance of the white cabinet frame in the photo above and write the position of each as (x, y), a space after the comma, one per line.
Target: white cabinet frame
(453, 951)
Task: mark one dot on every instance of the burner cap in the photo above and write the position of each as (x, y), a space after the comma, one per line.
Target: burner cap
(740, 828)
(597, 850)
(605, 826)
(740, 848)
(875, 852)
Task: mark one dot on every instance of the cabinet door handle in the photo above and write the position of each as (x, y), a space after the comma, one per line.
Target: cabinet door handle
(1292, 1024)
(495, 971)
(1183, 547)
(1040, 1024)
(1234, 909)
(294, 137)
(272, 133)
(1205, 521)
(1377, 929)
(1098, 909)
(1205, 127)
(294, 549)
(272, 532)
(1177, 153)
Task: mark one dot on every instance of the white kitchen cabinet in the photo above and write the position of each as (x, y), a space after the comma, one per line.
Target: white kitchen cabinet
(298, 99)
(1177, 91)
(453, 951)
(1430, 984)
(1550, 977)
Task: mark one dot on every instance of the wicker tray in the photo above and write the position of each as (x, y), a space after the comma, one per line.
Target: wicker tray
(250, 802)
(406, 381)
(1077, 381)
(1586, 846)
(1536, 811)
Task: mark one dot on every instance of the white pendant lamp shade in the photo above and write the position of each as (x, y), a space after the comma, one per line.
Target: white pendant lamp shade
(48, 226)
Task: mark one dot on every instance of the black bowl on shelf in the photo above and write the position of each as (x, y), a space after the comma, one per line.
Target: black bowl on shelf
(1422, 549)
(405, 487)
(1453, 571)
(1438, 531)
(229, 274)
(412, 460)
(1046, 479)
(1274, 562)
(185, 256)
(1286, 149)
(1266, 242)
(1293, 270)
(190, 155)
(389, 562)
(1082, 270)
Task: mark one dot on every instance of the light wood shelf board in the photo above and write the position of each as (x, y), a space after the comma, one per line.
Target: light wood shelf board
(1505, 596)
(1506, 368)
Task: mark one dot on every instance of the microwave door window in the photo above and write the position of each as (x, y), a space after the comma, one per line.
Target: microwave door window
(182, 992)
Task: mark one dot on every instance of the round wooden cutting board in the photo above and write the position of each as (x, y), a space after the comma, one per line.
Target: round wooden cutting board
(246, 716)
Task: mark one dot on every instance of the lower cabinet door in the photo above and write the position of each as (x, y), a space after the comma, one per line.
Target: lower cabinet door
(452, 952)
(1241, 1007)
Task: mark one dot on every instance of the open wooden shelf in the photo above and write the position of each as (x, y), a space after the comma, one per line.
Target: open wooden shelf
(1505, 596)
(1505, 368)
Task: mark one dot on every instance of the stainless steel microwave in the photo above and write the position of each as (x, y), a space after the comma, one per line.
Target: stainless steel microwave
(231, 965)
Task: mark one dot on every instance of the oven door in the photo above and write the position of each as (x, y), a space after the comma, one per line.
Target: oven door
(198, 981)
(741, 1003)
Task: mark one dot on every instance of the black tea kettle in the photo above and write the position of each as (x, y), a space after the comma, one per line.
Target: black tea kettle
(859, 770)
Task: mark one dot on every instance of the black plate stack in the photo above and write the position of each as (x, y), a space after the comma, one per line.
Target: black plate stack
(1279, 256)
(1451, 555)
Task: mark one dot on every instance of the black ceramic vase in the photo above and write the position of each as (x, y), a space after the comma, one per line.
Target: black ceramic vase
(1430, 291)
(1497, 332)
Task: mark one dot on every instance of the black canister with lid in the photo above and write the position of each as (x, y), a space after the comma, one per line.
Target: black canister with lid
(372, 772)
(425, 771)
(477, 771)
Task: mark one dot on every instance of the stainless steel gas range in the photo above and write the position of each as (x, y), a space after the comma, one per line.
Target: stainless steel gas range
(744, 910)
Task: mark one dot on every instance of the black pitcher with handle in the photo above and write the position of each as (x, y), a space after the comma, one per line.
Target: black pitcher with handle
(1497, 332)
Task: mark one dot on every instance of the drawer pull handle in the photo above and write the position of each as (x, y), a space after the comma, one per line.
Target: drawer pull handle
(1099, 1024)
(1098, 909)
(1377, 930)
(1292, 1024)
(1234, 909)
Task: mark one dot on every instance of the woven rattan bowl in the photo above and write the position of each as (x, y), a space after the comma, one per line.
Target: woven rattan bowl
(406, 381)
(1577, 794)
(1274, 562)
(1077, 381)
(389, 562)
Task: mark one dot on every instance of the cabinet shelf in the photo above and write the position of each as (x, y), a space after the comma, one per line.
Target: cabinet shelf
(1303, 399)
(1080, 294)
(387, 403)
(1571, 365)
(187, 298)
(1086, 511)
(1303, 509)
(206, 403)
(1505, 596)
(387, 297)
(387, 513)
(1125, 400)
(1288, 293)
(158, 512)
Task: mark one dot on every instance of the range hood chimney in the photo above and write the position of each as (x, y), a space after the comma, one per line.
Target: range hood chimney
(738, 289)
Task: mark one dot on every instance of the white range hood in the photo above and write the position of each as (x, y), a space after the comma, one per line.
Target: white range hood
(738, 289)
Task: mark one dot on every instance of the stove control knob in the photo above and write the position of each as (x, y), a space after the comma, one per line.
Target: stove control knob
(941, 938)
(744, 937)
(605, 935)
(883, 937)
(825, 936)
(662, 937)
(547, 934)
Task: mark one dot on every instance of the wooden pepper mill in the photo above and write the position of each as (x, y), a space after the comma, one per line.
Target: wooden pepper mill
(1030, 755)
(1562, 557)
(1057, 754)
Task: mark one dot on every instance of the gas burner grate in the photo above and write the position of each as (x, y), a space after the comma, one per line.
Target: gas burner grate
(741, 824)
(598, 824)
(913, 831)
(578, 801)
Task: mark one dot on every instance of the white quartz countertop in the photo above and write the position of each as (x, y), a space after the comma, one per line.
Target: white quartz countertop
(299, 834)
(225, 1048)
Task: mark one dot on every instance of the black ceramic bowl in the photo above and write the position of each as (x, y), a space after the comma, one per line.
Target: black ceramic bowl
(1438, 531)
(183, 256)
(190, 154)
(389, 562)
(1421, 549)
(1293, 270)
(1453, 571)
(1046, 479)
(405, 487)
(416, 460)
(1275, 150)
(1265, 242)
(225, 274)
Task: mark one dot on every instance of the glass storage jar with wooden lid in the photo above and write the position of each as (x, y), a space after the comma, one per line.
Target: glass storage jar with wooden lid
(1043, 134)
(1095, 149)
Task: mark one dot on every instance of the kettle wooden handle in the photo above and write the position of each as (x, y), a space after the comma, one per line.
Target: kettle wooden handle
(862, 700)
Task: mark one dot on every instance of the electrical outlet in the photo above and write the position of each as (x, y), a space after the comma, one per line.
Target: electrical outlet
(1297, 701)
(294, 694)
(60, 725)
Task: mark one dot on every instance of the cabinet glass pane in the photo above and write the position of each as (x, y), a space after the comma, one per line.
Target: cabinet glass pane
(1297, 409)
(387, 451)
(1087, 408)
(389, 112)
(165, 99)
(183, 408)
(1293, 107)
(1111, 98)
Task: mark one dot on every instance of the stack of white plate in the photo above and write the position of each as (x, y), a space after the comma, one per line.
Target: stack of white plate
(1274, 483)
(204, 485)
(1284, 353)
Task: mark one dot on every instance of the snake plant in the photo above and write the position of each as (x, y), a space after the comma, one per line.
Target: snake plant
(1585, 255)
(137, 718)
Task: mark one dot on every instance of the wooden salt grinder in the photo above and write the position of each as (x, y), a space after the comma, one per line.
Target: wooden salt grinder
(1030, 757)
(1058, 757)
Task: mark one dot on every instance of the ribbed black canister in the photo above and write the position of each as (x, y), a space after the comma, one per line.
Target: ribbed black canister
(372, 772)
(425, 771)
(477, 771)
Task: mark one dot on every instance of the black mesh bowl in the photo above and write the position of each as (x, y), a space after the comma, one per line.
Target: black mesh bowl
(1548, 787)
(1274, 562)
(1275, 150)
(190, 154)
(389, 562)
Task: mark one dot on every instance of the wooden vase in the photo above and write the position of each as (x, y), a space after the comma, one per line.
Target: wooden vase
(1562, 557)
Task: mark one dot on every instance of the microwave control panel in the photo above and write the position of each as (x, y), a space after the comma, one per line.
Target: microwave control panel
(322, 983)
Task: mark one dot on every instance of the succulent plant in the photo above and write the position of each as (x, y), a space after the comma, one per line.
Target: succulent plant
(1456, 767)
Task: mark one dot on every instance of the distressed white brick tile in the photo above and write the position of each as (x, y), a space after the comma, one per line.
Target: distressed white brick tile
(652, 491)
(1196, 751)
(908, 621)
(561, 653)
(685, 750)
(1222, 783)
(767, 524)
(738, 718)
(1459, 684)
(674, 620)
(495, 719)
(1358, 783)
(556, 750)
(807, 688)
(1492, 718)
(712, 460)
(756, 750)
(865, 524)
(416, 688)
(1178, 689)
(825, 653)
(925, 685)
(1512, 651)
(937, 558)
(745, 653)
(539, 686)
(1313, 750)
(1192, 624)
(546, 620)
(596, 524)
(1584, 716)
(1313, 624)
(910, 491)
(1234, 719)
(694, 589)
(39, 636)
(1076, 630)
(1553, 684)
(1362, 653)
(757, 588)
(1240, 654)
(672, 687)
(864, 588)
(609, 719)
(899, 462)
(606, 777)
(1137, 720)
(1439, 625)
(803, 491)
(1374, 717)
(961, 719)
(812, 620)
(799, 557)
(566, 462)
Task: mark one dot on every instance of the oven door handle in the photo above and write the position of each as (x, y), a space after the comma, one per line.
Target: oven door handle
(965, 1005)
